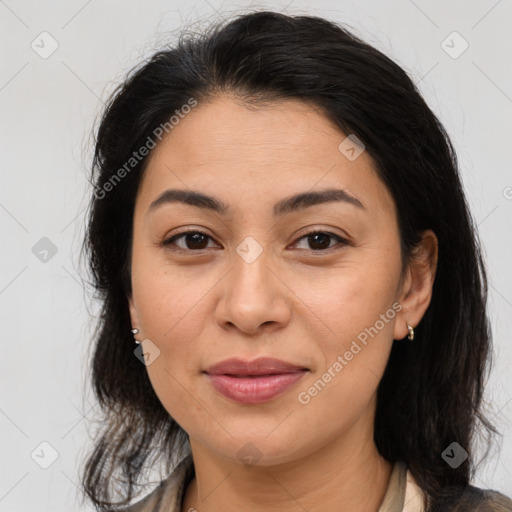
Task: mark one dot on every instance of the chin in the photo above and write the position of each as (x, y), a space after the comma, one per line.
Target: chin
(259, 448)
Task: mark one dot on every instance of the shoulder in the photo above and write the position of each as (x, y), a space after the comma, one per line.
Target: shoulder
(150, 503)
(470, 499)
(168, 495)
(485, 500)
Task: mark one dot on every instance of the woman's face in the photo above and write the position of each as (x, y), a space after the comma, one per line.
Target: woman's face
(251, 284)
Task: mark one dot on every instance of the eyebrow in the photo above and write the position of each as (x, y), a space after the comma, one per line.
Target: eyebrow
(288, 205)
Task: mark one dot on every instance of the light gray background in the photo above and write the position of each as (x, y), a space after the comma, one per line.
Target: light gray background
(48, 107)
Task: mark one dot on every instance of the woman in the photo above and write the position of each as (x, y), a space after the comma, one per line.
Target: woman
(279, 220)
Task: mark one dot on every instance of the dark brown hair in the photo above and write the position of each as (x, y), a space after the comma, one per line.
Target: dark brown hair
(431, 393)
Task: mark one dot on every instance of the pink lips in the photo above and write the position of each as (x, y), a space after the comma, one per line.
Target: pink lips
(253, 382)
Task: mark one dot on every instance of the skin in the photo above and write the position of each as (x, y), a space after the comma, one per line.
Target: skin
(201, 306)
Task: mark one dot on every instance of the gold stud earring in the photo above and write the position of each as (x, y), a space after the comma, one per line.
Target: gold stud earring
(410, 336)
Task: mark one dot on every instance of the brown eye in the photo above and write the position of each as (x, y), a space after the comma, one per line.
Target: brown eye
(191, 241)
(321, 240)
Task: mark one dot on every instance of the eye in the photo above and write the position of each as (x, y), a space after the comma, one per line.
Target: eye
(197, 241)
(189, 241)
(321, 240)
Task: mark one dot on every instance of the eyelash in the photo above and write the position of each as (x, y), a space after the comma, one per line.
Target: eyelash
(341, 241)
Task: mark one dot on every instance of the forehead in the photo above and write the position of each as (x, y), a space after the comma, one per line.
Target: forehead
(223, 129)
(238, 152)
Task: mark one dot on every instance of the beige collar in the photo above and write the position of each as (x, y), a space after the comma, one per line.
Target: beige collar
(402, 494)
(395, 495)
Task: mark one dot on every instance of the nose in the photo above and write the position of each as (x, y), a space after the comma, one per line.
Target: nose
(254, 298)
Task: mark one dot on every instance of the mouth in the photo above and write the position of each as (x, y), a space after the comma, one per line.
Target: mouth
(253, 382)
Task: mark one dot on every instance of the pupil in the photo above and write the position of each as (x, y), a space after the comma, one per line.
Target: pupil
(319, 238)
(196, 238)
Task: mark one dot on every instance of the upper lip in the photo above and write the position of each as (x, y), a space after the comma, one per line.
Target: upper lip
(260, 366)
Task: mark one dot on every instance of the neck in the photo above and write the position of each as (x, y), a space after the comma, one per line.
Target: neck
(344, 475)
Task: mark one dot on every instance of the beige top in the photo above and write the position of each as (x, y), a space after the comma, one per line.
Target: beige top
(402, 494)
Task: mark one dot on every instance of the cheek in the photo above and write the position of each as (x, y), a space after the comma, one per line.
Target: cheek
(354, 296)
(356, 351)
(171, 315)
(168, 299)
(358, 307)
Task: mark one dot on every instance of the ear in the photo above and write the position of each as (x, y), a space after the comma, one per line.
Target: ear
(418, 282)
(133, 314)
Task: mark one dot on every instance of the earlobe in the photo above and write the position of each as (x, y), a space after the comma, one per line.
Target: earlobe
(133, 314)
(418, 285)
(134, 320)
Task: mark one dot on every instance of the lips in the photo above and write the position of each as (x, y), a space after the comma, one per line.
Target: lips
(255, 381)
(260, 366)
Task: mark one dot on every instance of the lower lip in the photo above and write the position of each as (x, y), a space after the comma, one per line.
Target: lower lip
(254, 390)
